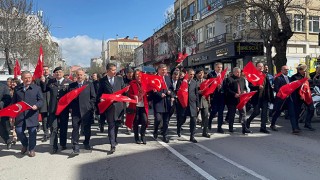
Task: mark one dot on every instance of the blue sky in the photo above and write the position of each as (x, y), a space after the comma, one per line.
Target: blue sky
(80, 25)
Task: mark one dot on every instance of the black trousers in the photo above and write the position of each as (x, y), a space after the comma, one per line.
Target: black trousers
(205, 119)
(112, 128)
(58, 124)
(45, 127)
(4, 128)
(77, 121)
(193, 121)
(164, 117)
(231, 114)
(278, 108)
(263, 105)
(141, 118)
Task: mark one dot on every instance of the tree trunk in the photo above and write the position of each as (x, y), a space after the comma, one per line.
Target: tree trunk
(269, 57)
(8, 61)
(280, 59)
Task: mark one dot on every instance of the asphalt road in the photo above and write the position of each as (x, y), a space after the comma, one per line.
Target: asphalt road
(279, 155)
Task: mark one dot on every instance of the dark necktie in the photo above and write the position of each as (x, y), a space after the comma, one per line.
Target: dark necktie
(80, 85)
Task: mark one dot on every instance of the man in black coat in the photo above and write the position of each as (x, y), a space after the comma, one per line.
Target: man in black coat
(82, 111)
(108, 85)
(46, 99)
(57, 87)
(217, 99)
(261, 100)
(235, 86)
(162, 104)
(32, 95)
(192, 108)
(288, 103)
(5, 100)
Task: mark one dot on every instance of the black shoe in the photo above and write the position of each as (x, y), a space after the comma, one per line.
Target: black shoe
(87, 147)
(112, 150)
(193, 140)
(138, 142)
(207, 135)
(44, 139)
(231, 130)
(264, 131)
(9, 143)
(101, 127)
(63, 148)
(295, 132)
(165, 139)
(54, 151)
(309, 128)
(179, 134)
(298, 128)
(76, 150)
(246, 131)
(248, 124)
(155, 136)
(273, 128)
(220, 130)
(143, 139)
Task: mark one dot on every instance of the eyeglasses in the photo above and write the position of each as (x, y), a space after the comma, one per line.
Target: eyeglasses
(191, 74)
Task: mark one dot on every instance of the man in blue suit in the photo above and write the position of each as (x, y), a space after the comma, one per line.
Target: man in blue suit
(32, 95)
(162, 104)
(280, 104)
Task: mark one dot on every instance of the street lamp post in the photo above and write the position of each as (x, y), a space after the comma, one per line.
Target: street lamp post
(180, 16)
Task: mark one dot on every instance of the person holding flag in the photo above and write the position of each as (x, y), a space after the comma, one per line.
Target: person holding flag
(108, 85)
(191, 107)
(281, 104)
(300, 102)
(58, 87)
(32, 95)
(82, 111)
(5, 100)
(262, 98)
(162, 103)
(235, 86)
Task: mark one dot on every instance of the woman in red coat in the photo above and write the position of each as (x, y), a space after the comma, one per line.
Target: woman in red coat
(137, 113)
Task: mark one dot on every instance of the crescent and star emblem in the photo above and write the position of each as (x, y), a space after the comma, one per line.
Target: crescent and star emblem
(19, 108)
(256, 77)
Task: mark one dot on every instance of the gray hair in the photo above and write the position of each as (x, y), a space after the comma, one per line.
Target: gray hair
(217, 64)
(236, 69)
(25, 72)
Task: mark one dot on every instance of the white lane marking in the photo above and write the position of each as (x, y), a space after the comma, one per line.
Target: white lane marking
(230, 161)
(185, 160)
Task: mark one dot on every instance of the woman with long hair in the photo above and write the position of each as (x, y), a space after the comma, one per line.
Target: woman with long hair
(137, 113)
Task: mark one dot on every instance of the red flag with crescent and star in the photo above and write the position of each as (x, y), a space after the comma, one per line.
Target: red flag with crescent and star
(103, 105)
(288, 89)
(181, 57)
(15, 109)
(65, 100)
(215, 82)
(205, 84)
(244, 98)
(151, 82)
(117, 98)
(38, 72)
(17, 69)
(305, 92)
(253, 75)
(182, 93)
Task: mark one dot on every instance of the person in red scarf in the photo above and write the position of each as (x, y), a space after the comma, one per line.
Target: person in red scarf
(137, 113)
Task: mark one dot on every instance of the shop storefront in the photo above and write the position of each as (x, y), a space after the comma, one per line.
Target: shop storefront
(230, 55)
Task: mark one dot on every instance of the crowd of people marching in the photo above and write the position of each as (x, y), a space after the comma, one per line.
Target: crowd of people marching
(43, 96)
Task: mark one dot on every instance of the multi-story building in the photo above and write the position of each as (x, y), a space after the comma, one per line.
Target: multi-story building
(120, 50)
(96, 62)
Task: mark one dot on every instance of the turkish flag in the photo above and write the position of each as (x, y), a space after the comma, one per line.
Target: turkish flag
(38, 72)
(107, 102)
(182, 93)
(244, 98)
(288, 89)
(254, 76)
(17, 69)
(305, 92)
(15, 109)
(65, 100)
(150, 82)
(277, 75)
(181, 57)
(205, 84)
(70, 75)
(215, 83)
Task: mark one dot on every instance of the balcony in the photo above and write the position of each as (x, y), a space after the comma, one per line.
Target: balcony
(222, 38)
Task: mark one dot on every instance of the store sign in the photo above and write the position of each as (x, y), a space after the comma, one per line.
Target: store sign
(222, 52)
(198, 59)
(248, 48)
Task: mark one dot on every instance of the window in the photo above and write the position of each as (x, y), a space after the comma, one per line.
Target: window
(241, 19)
(184, 14)
(200, 5)
(210, 30)
(298, 23)
(191, 9)
(314, 24)
(199, 34)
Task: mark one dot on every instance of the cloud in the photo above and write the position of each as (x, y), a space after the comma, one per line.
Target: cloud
(79, 50)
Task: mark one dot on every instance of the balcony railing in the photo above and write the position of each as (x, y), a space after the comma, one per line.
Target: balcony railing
(215, 40)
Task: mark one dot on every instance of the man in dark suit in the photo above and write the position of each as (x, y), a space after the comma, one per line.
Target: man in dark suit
(280, 104)
(5, 100)
(235, 86)
(57, 87)
(192, 108)
(174, 81)
(82, 111)
(46, 98)
(32, 95)
(261, 100)
(108, 85)
(203, 105)
(217, 99)
(162, 104)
